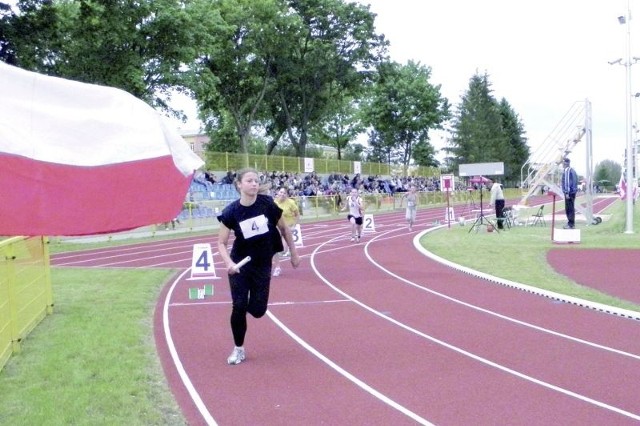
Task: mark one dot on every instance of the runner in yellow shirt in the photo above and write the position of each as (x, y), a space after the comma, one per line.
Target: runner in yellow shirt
(290, 215)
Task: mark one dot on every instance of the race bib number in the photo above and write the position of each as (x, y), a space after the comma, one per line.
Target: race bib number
(254, 226)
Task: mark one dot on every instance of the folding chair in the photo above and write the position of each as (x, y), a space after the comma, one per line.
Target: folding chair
(537, 218)
(508, 217)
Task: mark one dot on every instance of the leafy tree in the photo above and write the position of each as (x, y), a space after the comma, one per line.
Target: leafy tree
(424, 154)
(140, 46)
(354, 152)
(328, 53)
(235, 74)
(341, 127)
(609, 171)
(403, 107)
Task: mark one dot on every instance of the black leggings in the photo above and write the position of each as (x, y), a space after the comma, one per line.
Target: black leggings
(249, 294)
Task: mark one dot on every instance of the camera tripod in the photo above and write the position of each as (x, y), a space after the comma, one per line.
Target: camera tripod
(482, 219)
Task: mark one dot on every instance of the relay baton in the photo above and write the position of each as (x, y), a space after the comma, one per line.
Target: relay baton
(242, 263)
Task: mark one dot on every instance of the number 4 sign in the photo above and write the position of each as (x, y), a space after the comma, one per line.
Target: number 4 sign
(368, 225)
(297, 235)
(202, 266)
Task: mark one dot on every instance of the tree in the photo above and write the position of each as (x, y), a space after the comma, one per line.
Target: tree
(518, 151)
(328, 53)
(424, 154)
(484, 130)
(235, 74)
(140, 46)
(402, 108)
(340, 128)
(608, 172)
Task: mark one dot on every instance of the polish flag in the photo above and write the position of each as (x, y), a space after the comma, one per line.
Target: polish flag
(79, 159)
(622, 187)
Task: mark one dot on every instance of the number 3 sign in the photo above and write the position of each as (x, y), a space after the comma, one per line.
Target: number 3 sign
(296, 232)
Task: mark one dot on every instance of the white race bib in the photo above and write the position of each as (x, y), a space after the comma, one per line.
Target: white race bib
(254, 226)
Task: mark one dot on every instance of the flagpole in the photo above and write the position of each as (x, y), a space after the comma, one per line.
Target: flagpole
(629, 133)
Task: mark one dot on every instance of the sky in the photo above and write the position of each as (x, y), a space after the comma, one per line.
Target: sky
(541, 56)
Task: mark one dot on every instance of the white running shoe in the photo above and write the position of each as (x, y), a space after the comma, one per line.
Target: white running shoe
(276, 271)
(353, 238)
(237, 356)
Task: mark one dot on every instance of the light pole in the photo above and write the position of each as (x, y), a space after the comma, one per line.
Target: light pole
(624, 20)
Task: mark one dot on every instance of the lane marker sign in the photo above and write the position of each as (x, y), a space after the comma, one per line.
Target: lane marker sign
(202, 266)
(368, 224)
(297, 235)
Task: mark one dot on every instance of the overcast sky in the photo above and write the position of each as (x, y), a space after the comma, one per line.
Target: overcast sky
(541, 56)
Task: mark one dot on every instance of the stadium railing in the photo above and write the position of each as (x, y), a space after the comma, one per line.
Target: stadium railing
(26, 295)
(236, 161)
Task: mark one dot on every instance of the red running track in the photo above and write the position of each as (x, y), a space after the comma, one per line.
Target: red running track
(377, 333)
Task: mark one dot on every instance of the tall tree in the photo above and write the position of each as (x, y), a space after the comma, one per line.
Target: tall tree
(235, 74)
(403, 107)
(329, 53)
(478, 135)
(341, 127)
(517, 151)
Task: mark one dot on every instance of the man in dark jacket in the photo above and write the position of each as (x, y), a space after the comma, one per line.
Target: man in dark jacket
(569, 187)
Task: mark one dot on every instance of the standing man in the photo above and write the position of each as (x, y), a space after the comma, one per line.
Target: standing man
(497, 200)
(569, 187)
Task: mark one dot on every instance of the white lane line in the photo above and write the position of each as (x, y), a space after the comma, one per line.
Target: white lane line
(348, 375)
(482, 359)
(228, 302)
(335, 366)
(195, 396)
(496, 314)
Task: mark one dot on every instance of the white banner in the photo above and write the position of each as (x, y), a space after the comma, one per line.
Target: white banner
(308, 165)
(357, 167)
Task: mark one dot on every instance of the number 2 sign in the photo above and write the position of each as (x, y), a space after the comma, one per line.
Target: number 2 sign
(368, 224)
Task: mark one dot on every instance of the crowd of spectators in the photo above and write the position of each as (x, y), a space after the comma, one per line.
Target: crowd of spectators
(312, 184)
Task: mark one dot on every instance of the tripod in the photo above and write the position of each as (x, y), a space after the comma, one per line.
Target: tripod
(482, 219)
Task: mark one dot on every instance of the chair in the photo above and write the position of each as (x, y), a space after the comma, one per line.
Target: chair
(537, 218)
(508, 218)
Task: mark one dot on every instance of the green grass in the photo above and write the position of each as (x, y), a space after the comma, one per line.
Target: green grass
(519, 254)
(93, 362)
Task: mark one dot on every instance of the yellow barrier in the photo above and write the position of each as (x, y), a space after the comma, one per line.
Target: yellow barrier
(26, 295)
(236, 161)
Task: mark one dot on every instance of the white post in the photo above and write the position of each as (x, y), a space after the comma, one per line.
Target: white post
(629, 133)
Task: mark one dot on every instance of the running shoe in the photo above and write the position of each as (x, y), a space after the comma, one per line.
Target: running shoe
(353, 239)
(237, 356)
(276, 271)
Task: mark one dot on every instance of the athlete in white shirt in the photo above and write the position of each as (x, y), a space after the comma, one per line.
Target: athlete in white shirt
(356, 209)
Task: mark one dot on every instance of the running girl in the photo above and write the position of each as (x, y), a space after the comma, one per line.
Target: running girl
(253, 219)
(290, 215)
(412, 205)
(356, 209)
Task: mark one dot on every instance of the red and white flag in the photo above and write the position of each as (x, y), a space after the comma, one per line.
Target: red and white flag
(622, 187)
(623, 190)
(78, 159)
